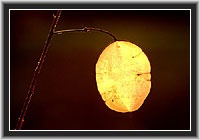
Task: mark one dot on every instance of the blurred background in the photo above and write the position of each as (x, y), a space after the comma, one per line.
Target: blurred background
(66, 95)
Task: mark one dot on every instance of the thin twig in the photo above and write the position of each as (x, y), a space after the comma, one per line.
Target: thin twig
(86, 29)
(37, 71)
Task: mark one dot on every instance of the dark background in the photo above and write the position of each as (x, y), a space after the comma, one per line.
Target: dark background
(66, 96)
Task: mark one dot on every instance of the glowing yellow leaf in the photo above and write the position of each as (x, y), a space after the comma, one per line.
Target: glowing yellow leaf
(123, 76)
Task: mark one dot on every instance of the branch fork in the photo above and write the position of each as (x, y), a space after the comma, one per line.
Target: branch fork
(42, 59)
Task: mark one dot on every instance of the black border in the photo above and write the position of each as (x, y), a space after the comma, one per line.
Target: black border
(5, 100)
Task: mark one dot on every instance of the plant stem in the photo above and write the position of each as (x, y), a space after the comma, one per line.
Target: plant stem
(86, 29)
(37, 71)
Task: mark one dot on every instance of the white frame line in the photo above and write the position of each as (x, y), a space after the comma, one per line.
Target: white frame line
(99, 9)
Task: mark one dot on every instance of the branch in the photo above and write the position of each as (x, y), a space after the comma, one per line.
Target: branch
(37, 71)
(86, 29)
